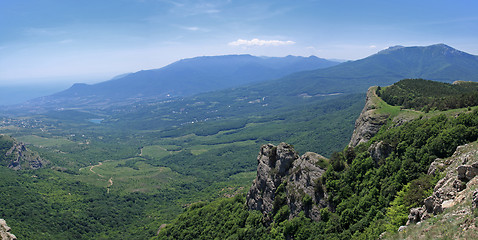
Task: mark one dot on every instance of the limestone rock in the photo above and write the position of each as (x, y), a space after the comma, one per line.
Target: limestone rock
(460, 171)
(379, 151)
(284, 178)
(436, 166)
(369, 122)
(474, 201)
(467, 172)
(20, 157)
(5, 231)
(417, 215)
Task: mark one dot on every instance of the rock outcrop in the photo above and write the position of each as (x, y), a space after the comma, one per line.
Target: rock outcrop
(369, 121)
(5, 233)
(18, 156)
(379, 151)
(460, 172)
(285, 179)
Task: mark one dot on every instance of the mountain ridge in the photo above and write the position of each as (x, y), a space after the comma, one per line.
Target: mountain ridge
(185, 77)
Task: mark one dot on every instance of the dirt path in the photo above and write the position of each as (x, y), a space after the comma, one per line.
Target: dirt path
(110, 181)
(91, 169)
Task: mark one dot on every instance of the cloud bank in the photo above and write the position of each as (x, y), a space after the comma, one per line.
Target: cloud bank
(259, 42)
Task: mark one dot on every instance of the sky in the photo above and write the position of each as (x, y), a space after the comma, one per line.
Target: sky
(67, 41)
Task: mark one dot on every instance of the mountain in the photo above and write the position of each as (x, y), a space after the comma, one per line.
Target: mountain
(297, 89)
(259, 77)
(436, 62)
(182, 78)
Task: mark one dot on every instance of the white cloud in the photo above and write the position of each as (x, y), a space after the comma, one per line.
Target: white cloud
(191, 28)
(372, 46)
(259, 42)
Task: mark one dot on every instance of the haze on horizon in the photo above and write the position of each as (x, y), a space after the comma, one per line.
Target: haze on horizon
(66, 41)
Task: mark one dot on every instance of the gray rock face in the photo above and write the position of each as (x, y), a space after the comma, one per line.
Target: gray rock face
(379, 151)
(369, 122)
(417, 215)
(23, 157)
(474, 201)
(284, 178)
(5, 231)
(459, 170)
(467, 172)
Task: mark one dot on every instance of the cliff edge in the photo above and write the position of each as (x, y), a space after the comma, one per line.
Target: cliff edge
(370, 120)
(288, 183)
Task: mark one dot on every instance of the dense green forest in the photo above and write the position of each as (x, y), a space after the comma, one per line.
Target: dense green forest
(426, 95)
(6, 143)
(367, 196)
(157, 165)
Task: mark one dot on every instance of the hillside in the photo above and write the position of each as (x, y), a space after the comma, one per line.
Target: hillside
(369, 187)
(179, 79)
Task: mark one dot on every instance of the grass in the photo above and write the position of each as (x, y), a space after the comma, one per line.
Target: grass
(200, 149)
(132, 175)
(43, 142)
(155, 151)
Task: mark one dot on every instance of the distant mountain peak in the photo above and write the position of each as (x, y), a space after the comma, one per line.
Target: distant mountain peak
(390, 49)
(439, 48)
(447, 50)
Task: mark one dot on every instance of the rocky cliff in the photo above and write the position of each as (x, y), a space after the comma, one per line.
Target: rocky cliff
(17, 156)
(369, 121)
(288, 183)
(5, 231)
(454, 201)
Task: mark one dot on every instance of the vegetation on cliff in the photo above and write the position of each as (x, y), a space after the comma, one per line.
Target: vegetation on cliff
(371, 187)
(426, 95)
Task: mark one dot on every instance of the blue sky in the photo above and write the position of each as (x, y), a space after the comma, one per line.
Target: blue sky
(68, 41)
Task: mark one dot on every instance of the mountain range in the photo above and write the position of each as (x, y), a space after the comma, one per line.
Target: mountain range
(436, 62)
(291, 76)
(182, 78)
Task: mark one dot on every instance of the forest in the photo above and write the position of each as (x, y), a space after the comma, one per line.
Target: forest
(157, 169)
(367, 196)
(426, 95)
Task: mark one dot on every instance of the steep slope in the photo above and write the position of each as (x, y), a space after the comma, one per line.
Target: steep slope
(451, 211)
(182, 78)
